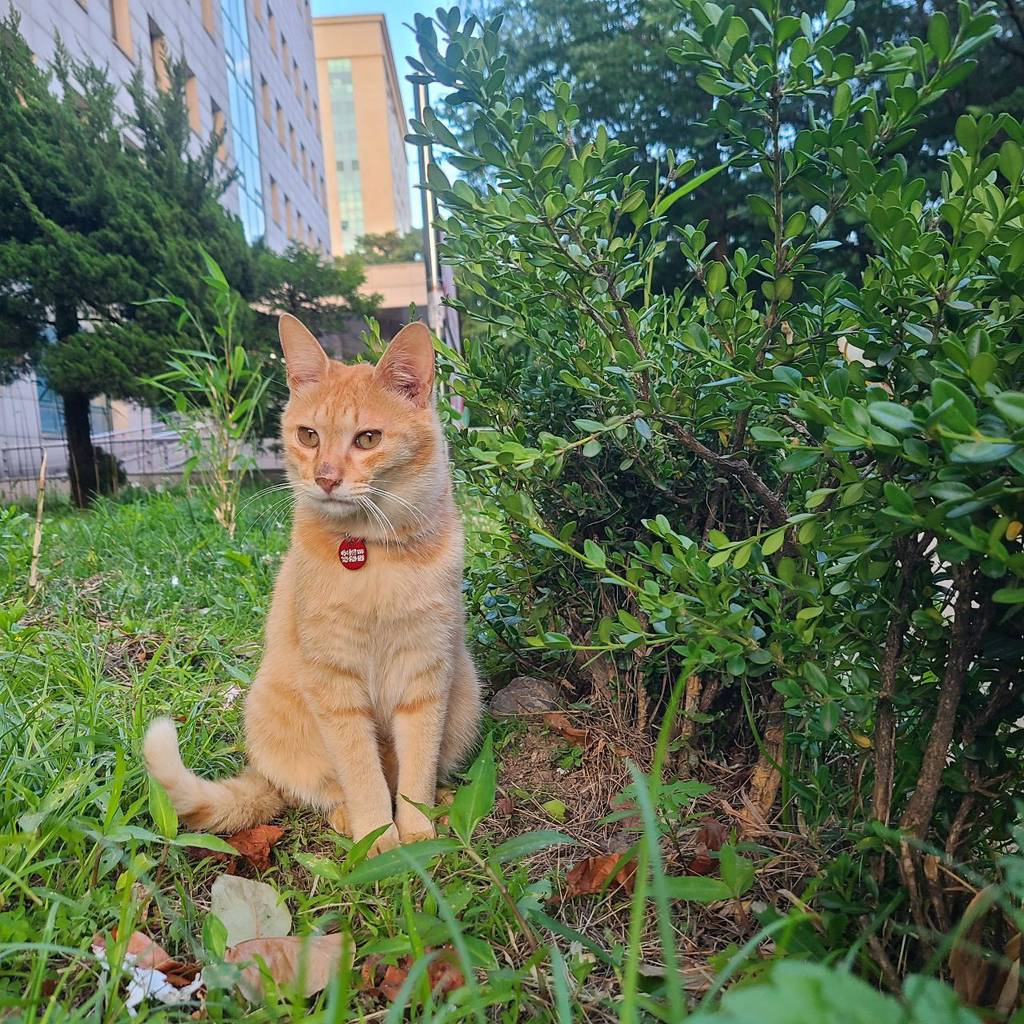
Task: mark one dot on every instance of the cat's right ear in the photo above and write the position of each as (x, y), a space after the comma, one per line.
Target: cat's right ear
(304, 359)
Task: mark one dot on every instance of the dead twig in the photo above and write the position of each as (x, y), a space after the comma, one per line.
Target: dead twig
(37, 536)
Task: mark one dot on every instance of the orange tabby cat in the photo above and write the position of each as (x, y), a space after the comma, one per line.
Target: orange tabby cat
(366, 690)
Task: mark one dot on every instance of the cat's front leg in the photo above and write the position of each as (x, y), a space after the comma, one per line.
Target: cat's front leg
(349, 732)
(417, 729)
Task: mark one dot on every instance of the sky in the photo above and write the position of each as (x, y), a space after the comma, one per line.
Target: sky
(399, 15)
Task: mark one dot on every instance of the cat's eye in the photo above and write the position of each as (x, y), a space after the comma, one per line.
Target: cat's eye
(367, 439)
(308, 437)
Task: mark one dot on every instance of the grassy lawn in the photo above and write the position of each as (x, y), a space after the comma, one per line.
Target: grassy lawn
(146, 608)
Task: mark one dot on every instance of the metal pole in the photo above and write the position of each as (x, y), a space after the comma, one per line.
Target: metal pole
(435, 313)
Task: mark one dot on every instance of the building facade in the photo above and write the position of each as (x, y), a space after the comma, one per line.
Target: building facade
(363, 126)
(253, 74)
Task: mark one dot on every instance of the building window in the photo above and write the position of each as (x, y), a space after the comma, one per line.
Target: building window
(272, 29)
(279, 111)
(121, 25)
(219, 130)
(257, 10)
(158, 51)
(195, 121)
(288, 224)
(242, 118)
(291, 145)
(302, 162)
(284, 54)
(346, 151)
(305, 98)
(298, 226)
(51, 410)
(265, 99)
(296, 78)
(275, 201)
(208, 23)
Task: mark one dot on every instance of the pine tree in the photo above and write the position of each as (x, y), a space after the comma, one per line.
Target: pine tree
(323, 292)
(94, 228)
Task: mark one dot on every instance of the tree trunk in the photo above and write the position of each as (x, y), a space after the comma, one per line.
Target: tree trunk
(81, 454)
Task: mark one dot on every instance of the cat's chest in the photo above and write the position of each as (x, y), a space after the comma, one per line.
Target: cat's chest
(378, 600)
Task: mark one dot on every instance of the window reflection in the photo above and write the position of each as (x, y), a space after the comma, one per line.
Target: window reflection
(346, 151)
(242, 114)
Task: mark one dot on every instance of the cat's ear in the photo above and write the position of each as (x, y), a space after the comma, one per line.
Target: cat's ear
(407, 366)
(304, 359)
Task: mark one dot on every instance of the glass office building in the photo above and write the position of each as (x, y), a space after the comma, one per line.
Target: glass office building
(242, 118)
(346, 152)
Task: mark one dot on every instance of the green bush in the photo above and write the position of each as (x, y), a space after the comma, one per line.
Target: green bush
(810, 481)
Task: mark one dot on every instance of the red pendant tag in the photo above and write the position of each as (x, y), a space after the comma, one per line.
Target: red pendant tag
(352, 552)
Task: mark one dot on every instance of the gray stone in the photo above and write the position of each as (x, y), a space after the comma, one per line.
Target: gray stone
(525, 695)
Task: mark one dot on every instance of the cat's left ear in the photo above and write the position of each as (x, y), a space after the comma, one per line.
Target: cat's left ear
(407, 366)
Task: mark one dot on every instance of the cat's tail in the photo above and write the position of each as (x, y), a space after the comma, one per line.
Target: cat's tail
(224, 806)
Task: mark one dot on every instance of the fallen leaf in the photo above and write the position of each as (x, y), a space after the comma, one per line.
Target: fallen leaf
(249, 909)
(557, 722)
(765, 779)
(147, 953)
(505, 807)
(387, 979)
(254, 844)
(312, 958)
(980, 980)
(595, 874)
(712, 834)
(444, 974)
(143, 965)
(700, 864)
(710, 837)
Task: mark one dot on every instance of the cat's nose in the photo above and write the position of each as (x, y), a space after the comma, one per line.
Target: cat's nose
(328, 483)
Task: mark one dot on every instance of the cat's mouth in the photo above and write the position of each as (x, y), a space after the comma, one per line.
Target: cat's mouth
(335, 501)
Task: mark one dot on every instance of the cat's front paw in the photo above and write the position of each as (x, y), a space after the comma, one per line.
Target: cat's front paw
(388, 840)
(413, 824)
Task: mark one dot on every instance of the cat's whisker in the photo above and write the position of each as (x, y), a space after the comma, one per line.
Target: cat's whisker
(267, 514)
(415, 510)
(381, 517)
(367, 505)
(271, 489)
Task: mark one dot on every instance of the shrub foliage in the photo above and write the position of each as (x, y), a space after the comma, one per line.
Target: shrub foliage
(807, 483)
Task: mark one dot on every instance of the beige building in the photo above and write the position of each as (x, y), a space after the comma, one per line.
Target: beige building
(363, 127)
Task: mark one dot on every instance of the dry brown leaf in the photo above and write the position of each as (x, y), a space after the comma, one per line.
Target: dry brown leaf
(701, 864)
(765, 779)
(712, 834)
(505, 807)
(444, 974)
(557, 722)
(980, 980)
(254, 844)
(594, 874)
(386, 980)
(710, 837)
(148, 954)
(1010, 991)
(313, 958)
